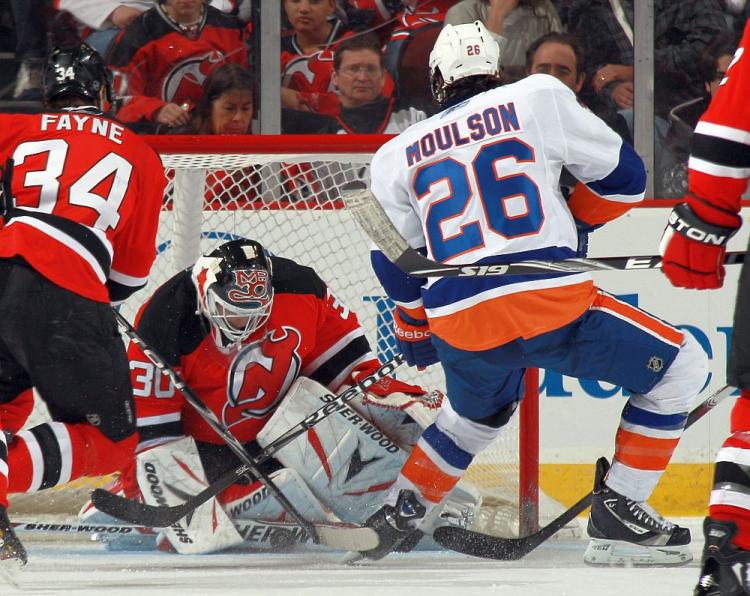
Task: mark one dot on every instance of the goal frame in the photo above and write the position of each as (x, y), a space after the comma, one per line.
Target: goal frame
(322, 147)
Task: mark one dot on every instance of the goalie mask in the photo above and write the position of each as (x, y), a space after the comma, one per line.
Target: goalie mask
(462, 51)
(234, 290)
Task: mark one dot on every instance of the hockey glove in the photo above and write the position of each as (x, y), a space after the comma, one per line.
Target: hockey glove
(414, 340)
(694, 244)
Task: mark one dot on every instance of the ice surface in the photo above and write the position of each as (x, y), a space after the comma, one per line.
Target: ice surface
(554, 569)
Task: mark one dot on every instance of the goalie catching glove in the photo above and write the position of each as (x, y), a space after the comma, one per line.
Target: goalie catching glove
(694, 244)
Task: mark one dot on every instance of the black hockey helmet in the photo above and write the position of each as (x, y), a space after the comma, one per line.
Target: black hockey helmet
(235, 290)
(78, 71)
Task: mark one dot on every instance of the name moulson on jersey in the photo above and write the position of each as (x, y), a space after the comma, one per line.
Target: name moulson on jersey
(489, 122)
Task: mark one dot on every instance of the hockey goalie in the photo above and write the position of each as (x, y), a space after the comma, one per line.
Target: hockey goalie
(263, 342)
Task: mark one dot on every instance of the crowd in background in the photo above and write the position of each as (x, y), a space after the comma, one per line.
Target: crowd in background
(360, 66)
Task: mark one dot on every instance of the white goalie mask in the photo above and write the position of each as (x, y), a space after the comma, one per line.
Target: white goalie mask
(462, 51)
(235, 291)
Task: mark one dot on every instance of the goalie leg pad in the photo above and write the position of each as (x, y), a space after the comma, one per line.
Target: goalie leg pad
(254, 502)
(346, 460)
(169, 475)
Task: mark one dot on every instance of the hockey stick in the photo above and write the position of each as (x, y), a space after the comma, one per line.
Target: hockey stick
(151, 515)
(373, 220)
(485, 546)
(274, 534)
(325, 535)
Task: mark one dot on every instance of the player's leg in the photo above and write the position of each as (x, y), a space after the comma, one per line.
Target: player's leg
(483, 391)
(727, 527)
(664, 370)
(74, 356)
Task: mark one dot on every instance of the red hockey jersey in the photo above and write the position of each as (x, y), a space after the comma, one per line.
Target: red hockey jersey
(87, 194)
(719, 164)
(308, 333)
(155, 63)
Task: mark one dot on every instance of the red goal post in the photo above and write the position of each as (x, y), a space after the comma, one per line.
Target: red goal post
(284, 192)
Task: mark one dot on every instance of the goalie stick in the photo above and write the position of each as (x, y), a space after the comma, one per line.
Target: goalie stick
(276, 535)
(344, 538)
(150, 515)
(485, 546)
(371, 217)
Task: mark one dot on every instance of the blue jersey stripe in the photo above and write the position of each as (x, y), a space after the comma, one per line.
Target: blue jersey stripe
(628, 178)
(636, 415)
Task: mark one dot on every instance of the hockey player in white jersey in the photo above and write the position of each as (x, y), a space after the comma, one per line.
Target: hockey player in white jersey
(478, 182)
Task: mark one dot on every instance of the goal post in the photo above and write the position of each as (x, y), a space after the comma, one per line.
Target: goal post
(284, 191)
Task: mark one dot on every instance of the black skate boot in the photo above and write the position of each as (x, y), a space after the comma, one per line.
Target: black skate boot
(396, 525)
(725, 569)
(628, 533)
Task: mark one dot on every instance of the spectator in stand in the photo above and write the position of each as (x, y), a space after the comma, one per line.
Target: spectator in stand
(418, 23)
(30, 19)
(307, 55)
(359, 75)
(682, 31)
(671, 169)
(161, 60)
(226, 106)
(516, 23)
(104, 19)
(561, 55)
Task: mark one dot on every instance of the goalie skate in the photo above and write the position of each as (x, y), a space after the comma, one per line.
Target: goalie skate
(626, 533)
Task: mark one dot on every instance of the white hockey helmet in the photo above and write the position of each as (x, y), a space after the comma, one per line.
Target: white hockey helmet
(235, 291)
(462, 51)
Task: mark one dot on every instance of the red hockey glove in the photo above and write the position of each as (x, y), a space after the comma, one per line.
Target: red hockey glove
(414, 340)
(694, 248)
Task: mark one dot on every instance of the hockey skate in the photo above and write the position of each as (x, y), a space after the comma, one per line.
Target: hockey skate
(395, 525)
(725, 569)
(624, 532)
(12, 553)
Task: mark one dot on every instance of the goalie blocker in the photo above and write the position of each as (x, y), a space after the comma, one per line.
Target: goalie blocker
(336, 473)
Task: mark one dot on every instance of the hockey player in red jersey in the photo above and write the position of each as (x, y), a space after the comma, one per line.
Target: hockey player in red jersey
(78, 232)
(162, 59)
(483, 193)
(693, 247)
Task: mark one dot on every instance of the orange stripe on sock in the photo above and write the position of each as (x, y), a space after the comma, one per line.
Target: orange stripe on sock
(660, 328)
(643, 453)
(431, 481)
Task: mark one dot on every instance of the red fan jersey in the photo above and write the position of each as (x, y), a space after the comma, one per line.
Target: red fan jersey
(719, 164)
(308, 333)
(154, 62)
(87, 195)
(424, 12)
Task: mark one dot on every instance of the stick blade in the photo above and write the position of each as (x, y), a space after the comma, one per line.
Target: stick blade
(134, 512)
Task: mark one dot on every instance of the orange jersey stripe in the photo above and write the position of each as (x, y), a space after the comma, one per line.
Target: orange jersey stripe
(643, 453)
(526, 314)
(644, 320)
(430, 480)
(415, 313)
(590, 208)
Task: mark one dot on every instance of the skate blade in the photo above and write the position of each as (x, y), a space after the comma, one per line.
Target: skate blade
(11, 570)
(617, 553)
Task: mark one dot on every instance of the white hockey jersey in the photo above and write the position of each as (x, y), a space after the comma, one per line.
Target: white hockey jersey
(478, 182)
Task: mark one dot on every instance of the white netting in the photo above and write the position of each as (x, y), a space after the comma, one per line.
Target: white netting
(292, 205)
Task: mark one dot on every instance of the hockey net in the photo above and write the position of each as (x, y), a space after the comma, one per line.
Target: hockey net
(285, 192)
